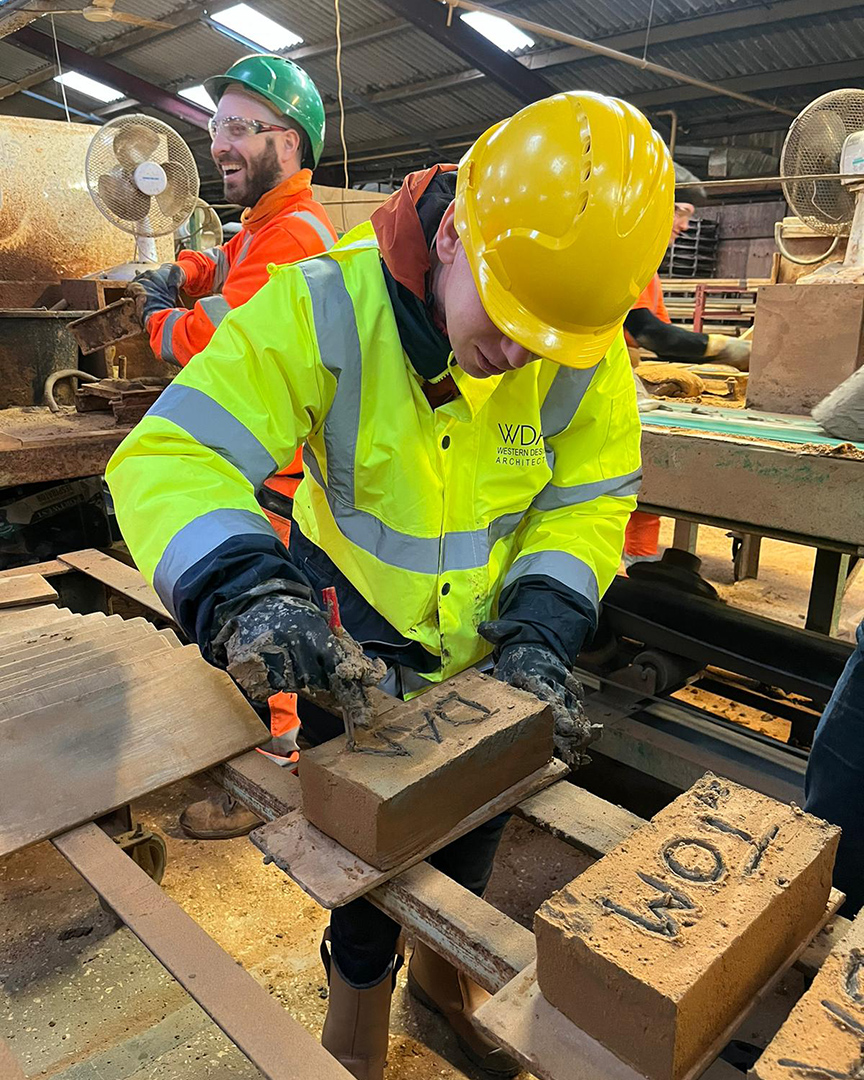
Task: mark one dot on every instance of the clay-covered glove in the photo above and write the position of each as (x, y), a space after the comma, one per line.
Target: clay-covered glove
(281, 642)
(156, 290)
(541, 673)
(729, 350)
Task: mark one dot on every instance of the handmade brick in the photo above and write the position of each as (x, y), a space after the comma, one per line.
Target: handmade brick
(657, 947)
(438, 759)
(824, 1035)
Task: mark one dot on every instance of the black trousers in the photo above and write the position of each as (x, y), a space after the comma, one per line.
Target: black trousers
(363, 938)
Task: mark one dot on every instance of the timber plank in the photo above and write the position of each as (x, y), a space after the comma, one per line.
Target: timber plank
(458, 925)
(103, 746)
(333, 876)
(9, 1067)
(49, 568)
(581, 819)
(117, 576)
(26, 590)
(62, 672)
(253, 1020)
(15, 620)
(95, 638)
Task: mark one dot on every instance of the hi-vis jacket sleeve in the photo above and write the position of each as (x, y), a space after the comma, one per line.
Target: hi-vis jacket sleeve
(571, 542)
(226, 277)
(184, 480)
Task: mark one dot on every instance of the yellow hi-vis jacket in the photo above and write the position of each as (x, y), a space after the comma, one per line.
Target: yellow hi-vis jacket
(428, 513)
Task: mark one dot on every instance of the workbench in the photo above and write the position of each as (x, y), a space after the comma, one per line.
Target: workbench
(38, 446)
(760, 474)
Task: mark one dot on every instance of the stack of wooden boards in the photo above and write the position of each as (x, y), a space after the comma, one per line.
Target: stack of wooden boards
(96, 710)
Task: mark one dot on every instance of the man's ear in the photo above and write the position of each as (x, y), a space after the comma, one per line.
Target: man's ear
(447, 239)
(289, 153)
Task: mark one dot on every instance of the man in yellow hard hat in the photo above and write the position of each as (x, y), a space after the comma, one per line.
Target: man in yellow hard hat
(457, 373)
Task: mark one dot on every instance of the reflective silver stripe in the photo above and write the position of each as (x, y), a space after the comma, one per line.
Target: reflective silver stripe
(217, 256)
(465, 550)
(244, 250)
(553, 497)
(197, 539)
(216, 307)
(339, 346)
(166, 342)
(505, 525)
(416, 553)
(561, 566)
(564, 398)
(206, 421)
(318, 225)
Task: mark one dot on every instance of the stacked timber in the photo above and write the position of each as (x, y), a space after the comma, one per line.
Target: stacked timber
(96, 710)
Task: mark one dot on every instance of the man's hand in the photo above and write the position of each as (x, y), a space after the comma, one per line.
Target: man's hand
(729, 350)
(541, 673)
(156, 290)
(284, 643)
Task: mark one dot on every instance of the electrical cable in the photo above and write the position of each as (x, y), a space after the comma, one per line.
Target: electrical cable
(60, 71)
(339, 90)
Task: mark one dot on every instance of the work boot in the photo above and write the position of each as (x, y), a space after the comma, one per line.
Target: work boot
(357, 1027)
(220, 817)
(441, 987)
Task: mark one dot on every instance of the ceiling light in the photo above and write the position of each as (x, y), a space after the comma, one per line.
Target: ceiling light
(89, 87)
(198, 96)
(255, 27)
(500, 32)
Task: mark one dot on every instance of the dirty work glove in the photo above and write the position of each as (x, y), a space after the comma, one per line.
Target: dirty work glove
(156, 290)
(541, 673)
(729, 350)
(281, 642)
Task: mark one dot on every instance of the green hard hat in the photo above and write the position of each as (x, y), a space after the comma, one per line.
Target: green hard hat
(284, 85)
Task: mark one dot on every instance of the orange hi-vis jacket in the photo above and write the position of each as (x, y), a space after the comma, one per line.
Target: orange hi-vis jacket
(642, 535)
(285, 225)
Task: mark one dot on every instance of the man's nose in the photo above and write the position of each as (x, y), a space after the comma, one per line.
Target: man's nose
(516, 355)
(219, 145)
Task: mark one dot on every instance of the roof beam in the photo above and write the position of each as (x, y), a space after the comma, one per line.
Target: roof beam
(766, 80)
(474, 49)
(131, 85)
(758, 14)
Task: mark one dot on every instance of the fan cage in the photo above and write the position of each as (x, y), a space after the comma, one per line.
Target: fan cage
(114, 151)
(813, 146)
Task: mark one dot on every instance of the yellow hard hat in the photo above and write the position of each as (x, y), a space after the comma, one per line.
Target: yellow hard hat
(564, 211)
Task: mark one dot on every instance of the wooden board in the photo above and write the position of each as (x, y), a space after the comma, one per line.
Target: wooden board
(9, 1067)
(101, 748)
(280, 1047)
(16, 620)
(547, 1044)
(579, 818)
(332, 876)
(49, 568)
(44, 683)
(117, 576)
(26, 590)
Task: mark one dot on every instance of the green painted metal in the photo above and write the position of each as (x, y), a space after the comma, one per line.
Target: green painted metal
(713, 421)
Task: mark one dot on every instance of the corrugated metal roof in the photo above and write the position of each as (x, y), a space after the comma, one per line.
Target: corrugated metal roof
(399, 60)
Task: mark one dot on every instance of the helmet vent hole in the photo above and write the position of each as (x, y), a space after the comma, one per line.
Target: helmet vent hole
(586, 172)
(586, 145)
(583, 203)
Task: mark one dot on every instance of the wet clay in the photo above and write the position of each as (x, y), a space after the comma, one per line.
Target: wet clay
(424, 765)
(824, 1035)
(658, 946)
